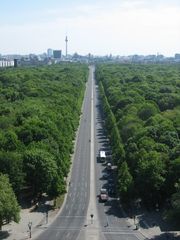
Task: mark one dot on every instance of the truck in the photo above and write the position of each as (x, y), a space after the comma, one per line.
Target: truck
(103, 196)
(102, 156)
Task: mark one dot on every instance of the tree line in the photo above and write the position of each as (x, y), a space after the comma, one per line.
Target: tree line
(142, 110)
(39, 114)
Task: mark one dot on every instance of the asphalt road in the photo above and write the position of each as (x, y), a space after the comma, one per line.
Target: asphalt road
(112, 220)
(73, 215)
(73, 221)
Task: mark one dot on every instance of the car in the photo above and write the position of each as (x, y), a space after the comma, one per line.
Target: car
(109, 166)
(111, 182)
(105, 176)
(103, 196)
(103, 191)
(112, 191)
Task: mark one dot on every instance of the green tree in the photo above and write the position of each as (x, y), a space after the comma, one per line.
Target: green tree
(147, 110)
(173, 214)
(125, 181)
(11, 163)
(142, 115)
(150, 175)
(11, 141)
(39, 114)
(175, 200)
(41, 170)
(9, 208)
(173, 174)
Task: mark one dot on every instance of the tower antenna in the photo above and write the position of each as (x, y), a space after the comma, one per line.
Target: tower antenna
(66, 40)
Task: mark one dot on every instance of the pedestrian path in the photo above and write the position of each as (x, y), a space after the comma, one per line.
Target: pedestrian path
(149, 230)
(31, 223)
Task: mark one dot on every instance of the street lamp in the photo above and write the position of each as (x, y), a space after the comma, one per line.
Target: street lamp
(30, 227)
(47, 216)
(92, 215)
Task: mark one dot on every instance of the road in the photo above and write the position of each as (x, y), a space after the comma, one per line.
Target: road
(73, 215)
(112, 219)
(74, 221)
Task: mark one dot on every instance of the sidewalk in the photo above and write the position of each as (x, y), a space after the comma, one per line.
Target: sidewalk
(147, 231)
(149, 225)
(14, 231)
(20, 231)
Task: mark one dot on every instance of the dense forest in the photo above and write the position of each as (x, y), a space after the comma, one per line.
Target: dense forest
(142, 115)
(39, 114)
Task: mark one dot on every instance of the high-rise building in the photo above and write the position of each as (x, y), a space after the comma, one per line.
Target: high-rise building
(50, 53)
(57, 54)
(15, 62)
(177, 56)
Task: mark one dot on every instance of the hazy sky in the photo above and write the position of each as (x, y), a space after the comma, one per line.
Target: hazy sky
(100, 27)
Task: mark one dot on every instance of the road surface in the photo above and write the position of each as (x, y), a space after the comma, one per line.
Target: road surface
(112, 219)
(74, 221)
(73, 215)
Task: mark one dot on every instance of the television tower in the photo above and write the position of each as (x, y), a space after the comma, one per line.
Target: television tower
(66, 40)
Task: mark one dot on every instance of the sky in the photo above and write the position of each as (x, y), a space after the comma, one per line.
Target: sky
(99, 27)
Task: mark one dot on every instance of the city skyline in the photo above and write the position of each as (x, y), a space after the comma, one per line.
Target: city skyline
(97, 27)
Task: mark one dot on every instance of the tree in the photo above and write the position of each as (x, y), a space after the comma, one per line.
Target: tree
(41, 169)
(9, 208)
(57, 186)
(11, 164)
(175, 200)
(130, 128)
(150, 174)
(39, 114)
(142, 115)
(174, 212)
(11, 141)
(147, 110)
(173, 173)
(125, 181)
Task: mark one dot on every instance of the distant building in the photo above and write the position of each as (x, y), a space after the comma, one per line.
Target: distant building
(160, 57)
(177, 56)
(15, 62)
(50, 53)
(6, 63)
(57, 54)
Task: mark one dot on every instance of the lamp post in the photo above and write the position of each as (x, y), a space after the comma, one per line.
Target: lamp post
(47, 216)
(30, 228)
(134, 217)
(92, 215)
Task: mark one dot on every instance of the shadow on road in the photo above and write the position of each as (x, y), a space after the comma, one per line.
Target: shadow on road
(167, 236)
(4, 234)
(145, 219)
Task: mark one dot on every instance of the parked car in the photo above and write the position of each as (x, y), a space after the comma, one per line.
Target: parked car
(109, 166)
(103, 197)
